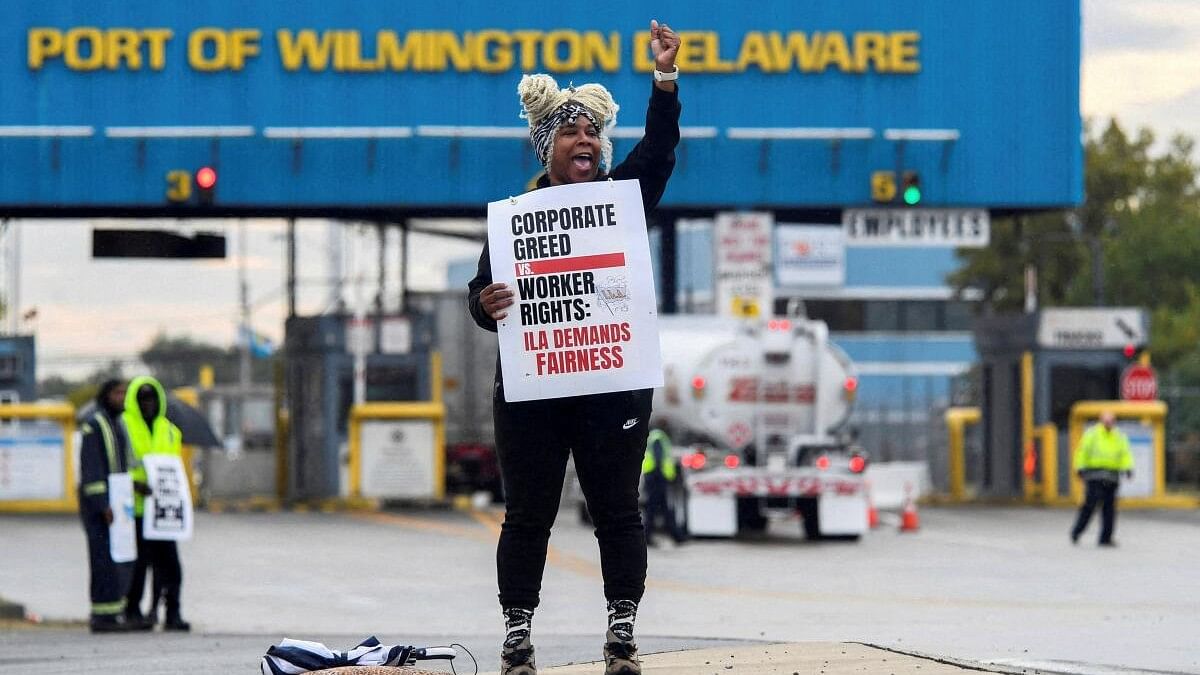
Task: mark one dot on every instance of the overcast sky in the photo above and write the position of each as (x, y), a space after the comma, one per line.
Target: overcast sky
(1141, 63)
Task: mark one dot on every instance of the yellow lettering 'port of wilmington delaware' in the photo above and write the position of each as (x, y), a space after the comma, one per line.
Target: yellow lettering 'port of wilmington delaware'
(210, 49)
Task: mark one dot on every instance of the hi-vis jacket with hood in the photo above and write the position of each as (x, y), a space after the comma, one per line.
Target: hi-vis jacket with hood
(160, 437)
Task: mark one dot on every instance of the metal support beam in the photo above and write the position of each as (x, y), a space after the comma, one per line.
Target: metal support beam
(668, 245)
(291, 268)
(404, 279)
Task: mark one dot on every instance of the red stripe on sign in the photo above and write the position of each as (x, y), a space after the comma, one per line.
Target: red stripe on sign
(583, 262)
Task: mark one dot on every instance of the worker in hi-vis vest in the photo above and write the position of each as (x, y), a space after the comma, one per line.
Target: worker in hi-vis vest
(658, 472)
(150, 432)
(1100, 459)
(104, 450)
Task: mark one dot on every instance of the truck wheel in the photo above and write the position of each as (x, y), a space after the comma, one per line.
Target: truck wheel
(750, 517)
(811, 523)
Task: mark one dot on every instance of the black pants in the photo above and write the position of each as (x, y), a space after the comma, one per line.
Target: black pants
(1101, 492)
(606, 434)
(658, 509)
(109, 580)
(163, 558)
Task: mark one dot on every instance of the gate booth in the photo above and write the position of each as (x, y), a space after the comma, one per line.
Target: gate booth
(397, 365)
(1035, 369)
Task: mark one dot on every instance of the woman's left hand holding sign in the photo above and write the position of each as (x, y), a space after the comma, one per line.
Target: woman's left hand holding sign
(495, 298)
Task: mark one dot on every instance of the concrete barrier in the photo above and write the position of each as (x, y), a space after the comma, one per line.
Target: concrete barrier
(889, 480)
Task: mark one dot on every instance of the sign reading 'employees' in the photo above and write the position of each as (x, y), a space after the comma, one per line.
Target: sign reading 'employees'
(586, 318)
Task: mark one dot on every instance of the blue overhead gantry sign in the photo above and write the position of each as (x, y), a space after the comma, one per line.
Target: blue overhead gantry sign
(316, 106)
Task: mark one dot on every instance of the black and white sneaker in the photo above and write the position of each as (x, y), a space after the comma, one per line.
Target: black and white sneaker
(620, 656)
(518, 659)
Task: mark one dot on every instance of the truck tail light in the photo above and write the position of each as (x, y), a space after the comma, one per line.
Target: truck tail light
(823, 462)
(858, 463)
(732, 461)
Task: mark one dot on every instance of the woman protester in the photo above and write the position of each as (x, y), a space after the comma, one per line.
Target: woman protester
(606, 433)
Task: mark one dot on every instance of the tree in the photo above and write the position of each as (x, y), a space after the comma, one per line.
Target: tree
(1141, 215)
(176, 361)
(1045, 241)
(78, 392)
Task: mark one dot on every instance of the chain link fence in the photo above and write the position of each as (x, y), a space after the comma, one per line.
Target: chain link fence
(1183, 437)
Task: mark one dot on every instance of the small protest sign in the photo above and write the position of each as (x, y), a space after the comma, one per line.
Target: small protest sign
(122, 539)
(585, 318)
(168, 510)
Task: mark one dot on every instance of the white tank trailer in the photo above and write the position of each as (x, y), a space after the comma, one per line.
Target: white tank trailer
(757, 411)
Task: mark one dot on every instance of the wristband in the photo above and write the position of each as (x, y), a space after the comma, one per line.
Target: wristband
(660, 76)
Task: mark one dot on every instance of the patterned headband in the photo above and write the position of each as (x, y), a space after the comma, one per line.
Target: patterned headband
(542, 135)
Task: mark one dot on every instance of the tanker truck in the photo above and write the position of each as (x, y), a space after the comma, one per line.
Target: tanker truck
(757, 411)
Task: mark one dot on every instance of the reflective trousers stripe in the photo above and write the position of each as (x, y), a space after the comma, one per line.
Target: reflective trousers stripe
(96, 488)
(114, 607)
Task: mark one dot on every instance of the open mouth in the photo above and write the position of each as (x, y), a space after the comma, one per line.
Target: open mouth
(583, 161)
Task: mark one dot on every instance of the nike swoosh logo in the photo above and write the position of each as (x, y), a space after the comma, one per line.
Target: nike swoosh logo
(629, 423)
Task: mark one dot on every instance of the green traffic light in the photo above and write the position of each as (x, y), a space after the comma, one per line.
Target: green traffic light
(912, 195)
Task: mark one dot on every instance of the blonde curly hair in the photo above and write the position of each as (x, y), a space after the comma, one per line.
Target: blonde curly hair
(547, 107)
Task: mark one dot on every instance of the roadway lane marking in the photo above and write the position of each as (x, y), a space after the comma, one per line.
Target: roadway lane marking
(491, 521)
(425, 525)
(561, 559)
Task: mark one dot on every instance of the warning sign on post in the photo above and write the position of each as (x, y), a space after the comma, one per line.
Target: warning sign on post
(585, 318)
(742, 243)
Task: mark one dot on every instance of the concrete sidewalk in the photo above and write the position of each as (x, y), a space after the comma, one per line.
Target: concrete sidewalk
(828, 658)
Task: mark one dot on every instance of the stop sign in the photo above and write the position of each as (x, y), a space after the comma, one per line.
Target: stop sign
(1139, 383)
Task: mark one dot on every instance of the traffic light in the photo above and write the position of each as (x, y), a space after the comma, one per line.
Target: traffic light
(206, 184)
(910, 188)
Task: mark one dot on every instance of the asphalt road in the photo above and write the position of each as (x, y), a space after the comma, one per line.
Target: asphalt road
(991, 585)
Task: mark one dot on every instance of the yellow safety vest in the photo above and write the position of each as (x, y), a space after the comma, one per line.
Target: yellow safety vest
(1103, 449)
(160, 437)
(668, 462)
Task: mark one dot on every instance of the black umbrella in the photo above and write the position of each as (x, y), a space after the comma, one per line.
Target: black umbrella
(191, 422)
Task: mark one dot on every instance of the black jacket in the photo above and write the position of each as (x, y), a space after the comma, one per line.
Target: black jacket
(651, 162)
(104, 450)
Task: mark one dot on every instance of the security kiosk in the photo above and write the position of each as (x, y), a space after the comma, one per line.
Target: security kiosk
(1034, 368)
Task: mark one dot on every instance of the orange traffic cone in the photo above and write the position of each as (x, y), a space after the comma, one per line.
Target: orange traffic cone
(909, 522)
(872, 512)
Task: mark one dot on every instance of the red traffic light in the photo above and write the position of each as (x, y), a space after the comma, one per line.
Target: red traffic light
(206, 178)
(1129, 351)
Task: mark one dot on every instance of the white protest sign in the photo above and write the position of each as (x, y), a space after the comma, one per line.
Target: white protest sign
(585, 318)
(122, 539)
(168, 511)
